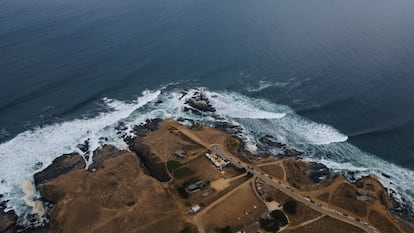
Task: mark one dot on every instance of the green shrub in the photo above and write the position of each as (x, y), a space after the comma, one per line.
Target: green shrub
(173, 164)
(183, 172)
(183, 193)
(290, 207)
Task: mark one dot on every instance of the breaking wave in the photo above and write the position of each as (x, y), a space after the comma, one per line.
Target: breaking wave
(33, 150)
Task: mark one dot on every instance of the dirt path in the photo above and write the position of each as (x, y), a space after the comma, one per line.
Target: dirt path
(305, 223)
(216, 148)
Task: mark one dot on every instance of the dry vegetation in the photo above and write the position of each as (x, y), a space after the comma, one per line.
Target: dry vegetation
(303, 214)
(382, 223)
(324, 197)
(116, 198)
(326, 225)
(274, 170)
(232, 207)
(167, 139)
(297, 175)
(345, 197)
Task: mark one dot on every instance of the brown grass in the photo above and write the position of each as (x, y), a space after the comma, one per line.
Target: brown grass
(326, 225)
(303, 214)
(324, 197)
(345, 197)
(235, 205)
(116, 198)
(274, 170)
(166, 140)
(382, 223)
(203, 169)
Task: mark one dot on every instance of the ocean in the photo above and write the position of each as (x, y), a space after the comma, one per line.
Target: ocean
(328, 77)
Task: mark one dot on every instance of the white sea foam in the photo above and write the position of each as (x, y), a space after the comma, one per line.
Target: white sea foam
(256, 117)
(19, 155)
(347, 157)
(238, 106)
(311, 132)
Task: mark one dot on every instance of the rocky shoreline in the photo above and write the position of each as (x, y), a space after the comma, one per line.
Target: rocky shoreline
(151, 165)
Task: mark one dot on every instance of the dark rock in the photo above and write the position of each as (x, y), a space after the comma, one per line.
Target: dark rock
(158, 102)
(84, 147)
(385, 175)
(152, 162)
(318, 172)
(269, 140)
(42, 229)
(7, 219)
(61, 165)
(183, 93)
(155, 166)
(200, 102)
(292, 153)
(101, 154)
(121, 126)
(143, 129)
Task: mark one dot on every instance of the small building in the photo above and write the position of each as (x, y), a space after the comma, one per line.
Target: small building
(195, 209)
(218, 162)
(180, 154)
(196, 187)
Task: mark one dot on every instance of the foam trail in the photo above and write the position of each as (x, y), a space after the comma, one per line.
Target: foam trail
(263, 84)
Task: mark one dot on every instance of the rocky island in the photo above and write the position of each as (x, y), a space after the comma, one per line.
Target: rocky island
(176, 178)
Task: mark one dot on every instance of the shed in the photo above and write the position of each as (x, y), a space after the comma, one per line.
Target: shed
(180, 154)
(195, 209)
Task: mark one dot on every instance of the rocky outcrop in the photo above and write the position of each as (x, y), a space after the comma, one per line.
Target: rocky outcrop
(318, 172)
(155, 166)
(61, 165)
(102, 154)
(7, 219)
(200, 102)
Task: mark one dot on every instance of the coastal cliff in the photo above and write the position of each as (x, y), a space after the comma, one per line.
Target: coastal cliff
(146, 189)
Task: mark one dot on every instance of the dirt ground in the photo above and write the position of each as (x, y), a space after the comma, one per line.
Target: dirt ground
(382, 223)
(325, 225)
(231, 208)
(303, 214)
(275, 170)
(345, 197)
(116, 198)
(203, 169)
(165, 141)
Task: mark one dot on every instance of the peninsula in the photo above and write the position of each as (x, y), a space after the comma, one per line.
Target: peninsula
(176, 178)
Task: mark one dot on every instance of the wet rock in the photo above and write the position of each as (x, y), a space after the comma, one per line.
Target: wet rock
(149, 126)
(386, 175)
(84, 147)
(269, 140)
(183, 93)
(292, 153)
(42, 229)
(7, 219)
(61, 165)
(200, 102)
(121, 126)
(318, 172)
